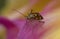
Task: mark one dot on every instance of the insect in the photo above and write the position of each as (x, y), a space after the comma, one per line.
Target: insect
(32, 26)
(34, 16)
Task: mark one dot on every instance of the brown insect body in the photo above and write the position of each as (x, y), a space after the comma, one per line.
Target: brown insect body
(34, 16)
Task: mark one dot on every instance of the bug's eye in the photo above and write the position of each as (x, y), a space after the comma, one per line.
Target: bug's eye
(41, 17)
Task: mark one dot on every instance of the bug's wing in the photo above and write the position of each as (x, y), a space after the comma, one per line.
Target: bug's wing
(31, 30)
(24, 9)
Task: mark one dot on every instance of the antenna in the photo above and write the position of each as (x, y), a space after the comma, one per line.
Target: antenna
(20, 12)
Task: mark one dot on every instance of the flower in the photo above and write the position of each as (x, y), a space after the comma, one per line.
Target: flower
(12, 30)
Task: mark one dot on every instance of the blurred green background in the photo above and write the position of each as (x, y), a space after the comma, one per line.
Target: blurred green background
(7, 6)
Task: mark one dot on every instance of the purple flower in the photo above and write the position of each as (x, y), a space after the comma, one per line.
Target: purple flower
(12, 30)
